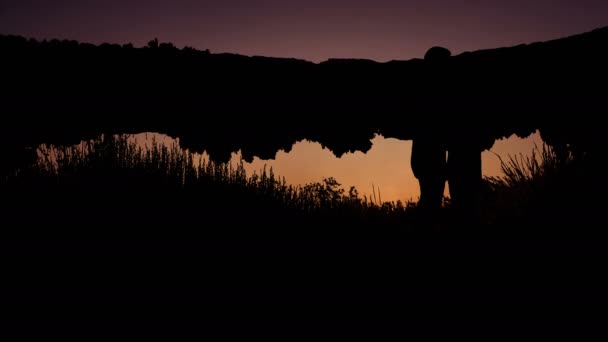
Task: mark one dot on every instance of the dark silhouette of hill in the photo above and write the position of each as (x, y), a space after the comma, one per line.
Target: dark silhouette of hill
(63, 91)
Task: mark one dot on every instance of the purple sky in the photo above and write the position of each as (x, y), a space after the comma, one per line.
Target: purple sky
(309, 29)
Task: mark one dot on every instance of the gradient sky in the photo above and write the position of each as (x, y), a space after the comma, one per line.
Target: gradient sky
(310, 29)
(317, 30)
(385, 167)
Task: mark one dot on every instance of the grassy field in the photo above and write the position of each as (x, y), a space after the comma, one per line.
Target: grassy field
(114, 182)
(153, 240)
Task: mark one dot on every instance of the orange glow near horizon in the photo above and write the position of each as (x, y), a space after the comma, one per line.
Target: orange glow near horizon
(385, 168)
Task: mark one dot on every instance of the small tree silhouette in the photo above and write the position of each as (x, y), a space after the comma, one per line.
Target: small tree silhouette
(153, 44)
(167, 46)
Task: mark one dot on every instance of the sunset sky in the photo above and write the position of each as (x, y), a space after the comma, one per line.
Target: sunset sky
(316, 30)
(310, 29)
(386, 167)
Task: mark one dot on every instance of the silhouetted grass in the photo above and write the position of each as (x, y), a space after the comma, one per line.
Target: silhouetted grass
(546, 192)
(114, 182)
(113, 178)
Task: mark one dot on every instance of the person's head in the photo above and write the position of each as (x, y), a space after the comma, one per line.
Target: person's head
(437, 54)
(435, 83)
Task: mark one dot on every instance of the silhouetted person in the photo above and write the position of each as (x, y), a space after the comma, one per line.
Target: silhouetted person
(429, 167)
(464, 145)
(428, 148)
(465, 175)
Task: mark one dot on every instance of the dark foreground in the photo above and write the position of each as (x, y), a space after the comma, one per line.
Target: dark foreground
(301, 284)
(123, 243)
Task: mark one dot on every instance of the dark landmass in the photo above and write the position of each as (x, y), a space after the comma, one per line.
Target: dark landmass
(116, 241)
(63, 91)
